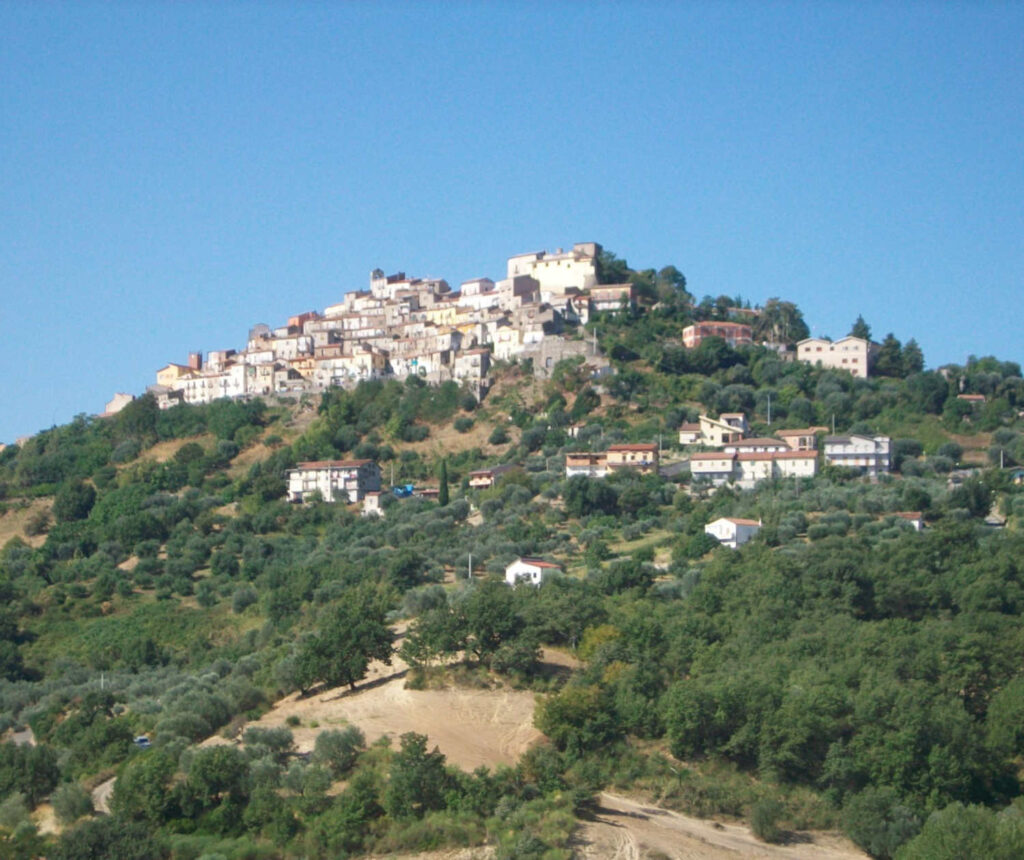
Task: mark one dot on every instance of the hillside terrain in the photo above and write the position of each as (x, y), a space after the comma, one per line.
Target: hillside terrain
(266, 679)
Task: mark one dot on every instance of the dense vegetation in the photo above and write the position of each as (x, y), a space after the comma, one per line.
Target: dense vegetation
(841, 670)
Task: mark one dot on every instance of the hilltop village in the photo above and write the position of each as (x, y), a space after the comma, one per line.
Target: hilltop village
(404, 326)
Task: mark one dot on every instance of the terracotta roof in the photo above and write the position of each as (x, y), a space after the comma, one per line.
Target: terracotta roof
(803, 431)
(537, 562)
(638, 446)
(689, 427)
(712, 455)
(332, 464)
(908, 515)
(758, 440)
(742, 522)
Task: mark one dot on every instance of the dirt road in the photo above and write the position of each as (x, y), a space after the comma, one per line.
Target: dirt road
(625, 829)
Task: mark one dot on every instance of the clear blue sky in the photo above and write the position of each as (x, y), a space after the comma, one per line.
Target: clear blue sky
(172, 173)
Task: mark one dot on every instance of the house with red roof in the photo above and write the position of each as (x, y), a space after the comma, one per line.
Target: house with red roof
(532, 571)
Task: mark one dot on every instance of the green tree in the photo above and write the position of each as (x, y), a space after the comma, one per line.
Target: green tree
(861, 329)
(418, 779)
(889, 361)
(780, 322)
(111, 838)
(338, 749)
(351, 634)
(142, 791)
(73, 501)
(71, 802)
(217, 773)
(878, 822)
(442, 492)
(913, 358)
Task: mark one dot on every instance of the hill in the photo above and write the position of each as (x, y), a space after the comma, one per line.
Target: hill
(840, 670)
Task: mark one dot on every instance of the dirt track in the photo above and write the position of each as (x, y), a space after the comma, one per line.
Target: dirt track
(625, 829)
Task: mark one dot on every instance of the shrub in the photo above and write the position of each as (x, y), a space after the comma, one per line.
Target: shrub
(463, 424)
(243, 598)
(764, 818)
(499, 436)
(71, 802)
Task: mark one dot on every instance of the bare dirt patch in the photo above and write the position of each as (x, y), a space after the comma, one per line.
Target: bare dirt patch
(12, 523)
(255, 453)
(625, 829)
(161, 452)
(471, 727)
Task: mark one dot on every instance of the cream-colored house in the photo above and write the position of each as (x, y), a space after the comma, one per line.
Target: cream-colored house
(802, 439)
(728, 427)
(848, 353)
(640, 457)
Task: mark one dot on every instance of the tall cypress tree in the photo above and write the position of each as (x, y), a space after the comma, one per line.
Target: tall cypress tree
(442, 493)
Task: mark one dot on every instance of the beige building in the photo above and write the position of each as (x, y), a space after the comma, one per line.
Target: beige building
(641, 457)
(559, 271)
(802, 439)
(728, 427)
(848, 353)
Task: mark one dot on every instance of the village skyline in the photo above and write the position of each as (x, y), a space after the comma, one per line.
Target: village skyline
(176, 175)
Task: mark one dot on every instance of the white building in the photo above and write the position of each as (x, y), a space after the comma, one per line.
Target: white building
(586, 463)
(732, 532)
(848, 353)
(689, 434)
(532, 571)
(869, 454)
(335, 480)
(747, 469)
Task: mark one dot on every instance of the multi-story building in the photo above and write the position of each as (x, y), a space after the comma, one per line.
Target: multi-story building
(747, 469)
(586, 463)
(868, 454)
(854, 354)
(734, 334)
(334, 480)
